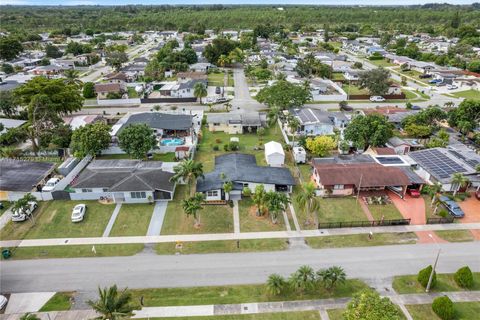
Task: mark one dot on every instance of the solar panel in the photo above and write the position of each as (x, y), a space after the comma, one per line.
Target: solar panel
(389, 160)
(437, 162)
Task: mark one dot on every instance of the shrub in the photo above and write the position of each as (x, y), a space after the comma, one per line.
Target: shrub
(218, 140)
(261, 131)
(444, 308)
(464, 277)
(215, 148)
(234, 146)
(424, 275)
(443, 213)
(226, 147)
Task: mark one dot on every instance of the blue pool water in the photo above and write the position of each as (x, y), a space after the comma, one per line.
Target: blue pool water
(172, 142)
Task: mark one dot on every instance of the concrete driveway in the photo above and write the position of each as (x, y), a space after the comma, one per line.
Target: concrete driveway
(27, 302)
(471, 208)
(410, 208)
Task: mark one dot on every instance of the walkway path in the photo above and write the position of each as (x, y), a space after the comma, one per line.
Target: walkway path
(156, 221)
(111, 222)
(285, 218)
(236, 217)
(366, 210)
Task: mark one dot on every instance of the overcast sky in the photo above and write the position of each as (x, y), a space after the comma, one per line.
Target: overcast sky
(173, 2)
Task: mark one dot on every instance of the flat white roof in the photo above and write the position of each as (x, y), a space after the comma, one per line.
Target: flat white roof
(273, 147)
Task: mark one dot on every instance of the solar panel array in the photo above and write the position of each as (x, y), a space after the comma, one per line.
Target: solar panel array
(437, 162)
(389, 160)
(472, 162)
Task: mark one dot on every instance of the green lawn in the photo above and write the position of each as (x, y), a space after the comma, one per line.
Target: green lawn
(381, 63)
(362, 240)
(468, 94)
(337, 76)
(166, 157)
(409, 94)
(236, 294)
(464, 311)
(6, 205)
(61, 301)
(300, 315)
(75, 251)
(216, 79)
(353, 89)
(305, 171)
(455, 235)
(445, 282)
(387, 211)
(336, 314)
(132, 93)
(226, 246)
(132, 220)
(214, 218)
(249, 222)
(340, 209)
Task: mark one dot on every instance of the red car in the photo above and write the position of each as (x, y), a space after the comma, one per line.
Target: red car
(477, 194)
(414, 193)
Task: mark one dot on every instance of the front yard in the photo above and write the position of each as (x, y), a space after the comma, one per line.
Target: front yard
(249, 222)
(340, 210)
(385, 211)
(216, 79)
(445, 283)
(382, 63)
(132, 220)
(463, 311)
(354, 90)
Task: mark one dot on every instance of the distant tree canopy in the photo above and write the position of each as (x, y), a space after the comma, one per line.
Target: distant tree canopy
(283, 94)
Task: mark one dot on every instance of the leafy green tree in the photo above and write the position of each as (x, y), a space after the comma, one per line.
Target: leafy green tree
(219, 46)
(459, 181)
(474, 66)
(90, 139)
(186, 171)
(276, 203)
(8, 106)
(467, 113)
(89, 90)
(310, 66)
(370, 130)
(424, 275)
(112, 304)
(307, 201)
(375, 80)
(10, 48)
(284, 95)
(228, 187)
(303, 279)
(137, 139)
(52, 51)
(200, 91)
(332, 276)
(464, 277)
(115, 59)
(192, 206)
(321, 145)
(259, 198)
(276, 284)
(77, 48)
(444, 308)
(418, 130)
(8, 68)
(368, 305)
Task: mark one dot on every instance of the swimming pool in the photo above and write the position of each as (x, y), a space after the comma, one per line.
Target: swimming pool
(172, 142)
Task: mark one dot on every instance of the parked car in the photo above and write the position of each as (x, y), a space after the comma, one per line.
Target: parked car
(477, 194)
(414, 193)
(397, 189)
(3, 301)
(425, 76)
(20, 215)
(452, 207)
(50, 185)
(435, 81)
(218, 90)
(221, 99)
(78, 212)
(377, 99)
(451, 87)
(416, 108)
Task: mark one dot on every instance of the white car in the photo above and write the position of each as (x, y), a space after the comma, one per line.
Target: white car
(377, 99)
(22, 215)
(78, 212)
(50, 185)
(451, 87)
(3, 301)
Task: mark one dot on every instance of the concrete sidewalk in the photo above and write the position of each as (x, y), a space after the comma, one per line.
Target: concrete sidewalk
(111, 222)
(156, 222)
(236, 236)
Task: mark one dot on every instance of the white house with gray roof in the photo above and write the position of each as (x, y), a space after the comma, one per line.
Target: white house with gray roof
(315, 122)
(236, 123)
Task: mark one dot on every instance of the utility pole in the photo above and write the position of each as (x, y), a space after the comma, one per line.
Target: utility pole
(427, 289)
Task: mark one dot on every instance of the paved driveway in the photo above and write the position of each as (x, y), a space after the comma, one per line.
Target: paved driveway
(471, 207)
(410, 208)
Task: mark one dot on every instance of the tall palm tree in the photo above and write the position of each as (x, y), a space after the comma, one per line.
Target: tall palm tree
(259, 199)
(112, 304)
(72, 77)
(307, 201)
(435, 191)
(228, 187)
(22, 204)
(276, 202)
(276, 284)
(303, 279)
(200, 91)
(186, 171)
(330, 277)
(273, 115)
(460, 181)
(293, 125)
(192, 206)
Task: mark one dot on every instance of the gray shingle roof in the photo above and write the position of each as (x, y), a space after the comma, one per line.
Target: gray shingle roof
(159, 120)
(238, 167)
(20, 175)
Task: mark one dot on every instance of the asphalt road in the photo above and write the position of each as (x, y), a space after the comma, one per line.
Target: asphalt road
(151, 271)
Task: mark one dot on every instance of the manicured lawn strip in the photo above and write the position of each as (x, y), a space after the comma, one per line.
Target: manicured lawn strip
(353, 89)
(469, 94)
(305, 171)
(215, 79)
(59, 302)
(337, 76)
(445, 282)
(455, 235)
(132, 220)
(340, 209)
(75, 251)
(236, 294)
(226, 246)
(214, 218)
(300, 315)
(387, 211)
(409, 94)
(251, 223)
(362, 240)
(6, 205)
(464, 311)
(381, 63)
(336, 314)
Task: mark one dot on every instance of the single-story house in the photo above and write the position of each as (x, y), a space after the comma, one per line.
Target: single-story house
(242, 170)
(315, 122)
(76, 122)
(103, 89)
(201, 67)
(192, 75)
(403, 146)
(9, 85)
(10, 123)
(117, 77)
(130, 181)
(236, 123)
(274, 154)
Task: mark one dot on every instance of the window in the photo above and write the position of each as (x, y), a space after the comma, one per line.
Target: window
(86, 190)
(213, 193)
(245, 185)
(138, 195)
(216, 124)
(105, 189)
(338, 187)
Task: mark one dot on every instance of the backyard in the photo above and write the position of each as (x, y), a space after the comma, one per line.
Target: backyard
(381, 63)
(249, 222)
(132, 220)
(166, 157)
(354, 90)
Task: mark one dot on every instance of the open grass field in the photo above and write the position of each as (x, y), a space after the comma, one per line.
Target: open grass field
(463, 310)
(132, 93)
(445, 282)
(213, 218)
(362, 240)
(455, 235)
(52, 220)
(227, 246)
(59, 302)
(387, 211)
(216, 79)
(249, 222)
(300, 315)
(132, 220)
(468, 94)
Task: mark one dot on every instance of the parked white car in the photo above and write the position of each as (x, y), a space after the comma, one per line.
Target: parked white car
(377, 99)
(451, 87)
(78, 212)
(50, 185)
(19, 215)
(3, 301)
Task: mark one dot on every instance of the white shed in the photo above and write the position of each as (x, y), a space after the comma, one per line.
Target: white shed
(274, 154)
(299, 155)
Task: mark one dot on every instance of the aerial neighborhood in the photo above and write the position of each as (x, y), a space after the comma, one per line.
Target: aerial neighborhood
(212, 132)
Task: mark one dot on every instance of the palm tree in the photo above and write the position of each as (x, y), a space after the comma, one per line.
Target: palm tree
(273, 115)
(276, 284)
(460, 181)
(449, 104)
(192, 205)
(228, 187)
(276, 202)
(307, 201)
(200, 91)
(71, 77)
(112, 304)
(259, 199)
(434, 192)
(303, 279)
(293, 124)
(22, 205)
(222, 60)
(332, 276)
(186, 170)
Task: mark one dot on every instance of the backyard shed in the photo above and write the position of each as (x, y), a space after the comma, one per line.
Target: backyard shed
(274, 154)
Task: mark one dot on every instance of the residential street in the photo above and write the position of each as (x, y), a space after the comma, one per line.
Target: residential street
(150, 270)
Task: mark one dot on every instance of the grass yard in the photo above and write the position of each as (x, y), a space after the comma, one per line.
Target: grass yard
(249, 222)
(387, 211)
(381, 63)
(132, 220)
(409, 94)
(337, 76)
(445, 282)
(300, 315)
(455, 235)
(6, 205)
(340, 209)
(353, 89)
(236, 294)
(61, 301)
(463, 310)
(305, 171)
(216, 79)
(213, 218)
(336, 314)
(75, 251)
(132, 93)
(362, 240)
(227, 246)
(468, 94)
